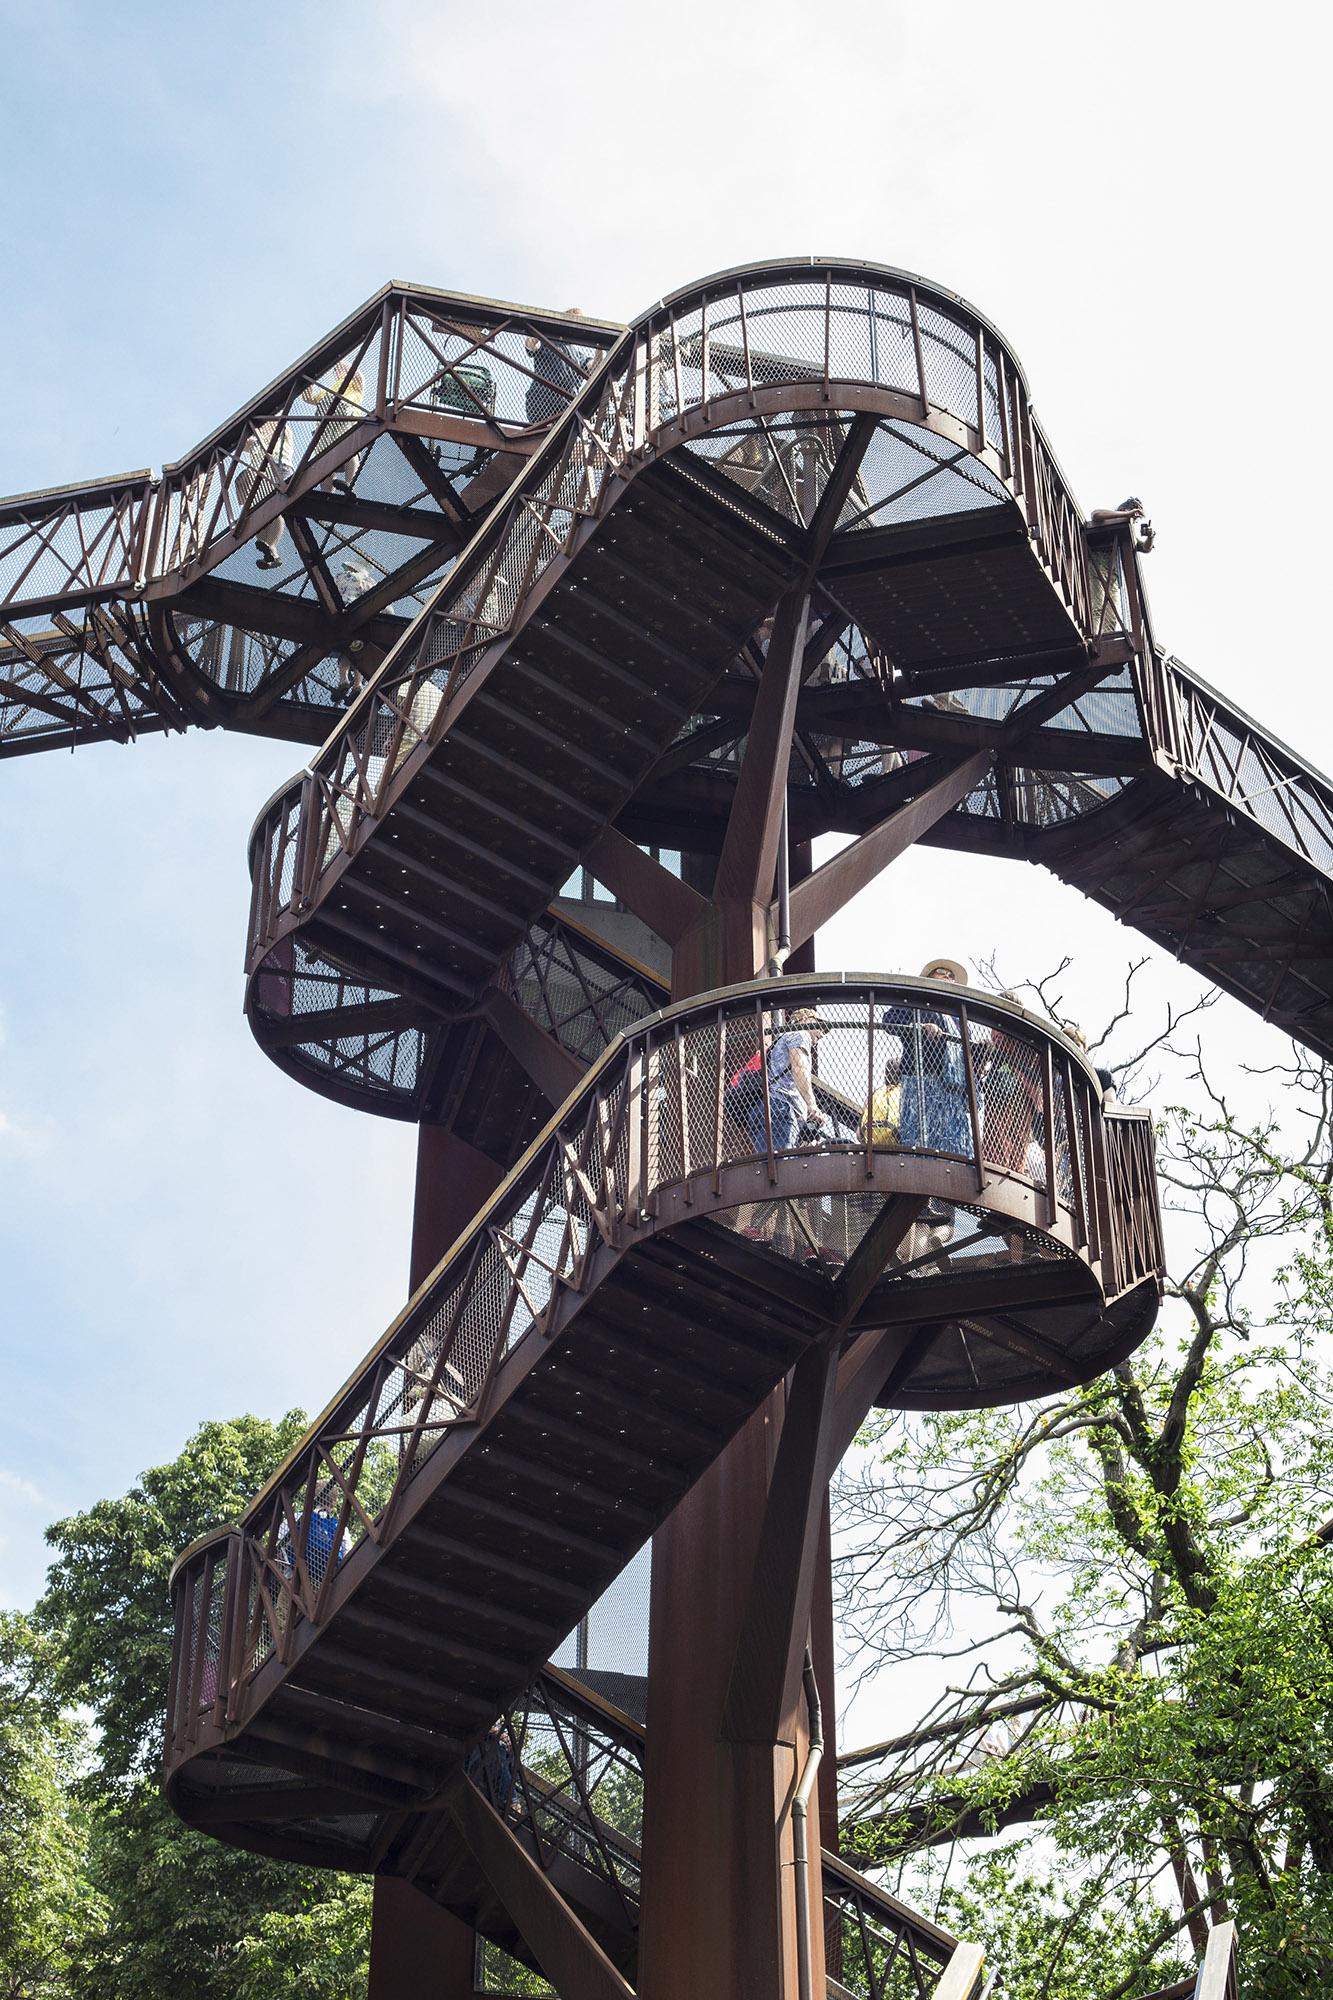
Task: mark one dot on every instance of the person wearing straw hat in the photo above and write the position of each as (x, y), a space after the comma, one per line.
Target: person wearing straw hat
(340, 405)
(935, 1112)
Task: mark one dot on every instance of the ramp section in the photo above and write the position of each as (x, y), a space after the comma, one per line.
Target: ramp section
(647, 1274)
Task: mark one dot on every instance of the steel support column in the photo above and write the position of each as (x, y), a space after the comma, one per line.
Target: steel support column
(729, 938)
(417, 1950)
(719, 1911)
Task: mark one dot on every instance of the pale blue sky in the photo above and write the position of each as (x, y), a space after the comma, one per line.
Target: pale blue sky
(193, 196)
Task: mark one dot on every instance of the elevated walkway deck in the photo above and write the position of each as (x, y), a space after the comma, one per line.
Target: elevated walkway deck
(648, 1273)
(551, 489)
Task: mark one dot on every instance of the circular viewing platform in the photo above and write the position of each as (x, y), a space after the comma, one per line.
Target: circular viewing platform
(955, 1208)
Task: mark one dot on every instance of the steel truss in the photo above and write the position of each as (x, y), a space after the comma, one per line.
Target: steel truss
(788, 555)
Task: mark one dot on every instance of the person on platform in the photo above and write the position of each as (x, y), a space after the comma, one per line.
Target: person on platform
(340, 404)
(881, 1121)
(492, 1765)
(1129, 514)
(556, 379)
(793, 1106)
(936, 1114)
(266, 465)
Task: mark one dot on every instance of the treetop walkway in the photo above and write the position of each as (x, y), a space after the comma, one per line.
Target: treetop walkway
(550, 598)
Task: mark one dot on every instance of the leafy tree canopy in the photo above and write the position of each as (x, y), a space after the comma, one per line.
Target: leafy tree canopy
(158, 1909)
(106, 1606)
(1133, 1584)
(46, 1901)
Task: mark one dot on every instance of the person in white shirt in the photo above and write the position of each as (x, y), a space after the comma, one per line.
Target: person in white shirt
(266, 466)
(341, 405)
(791, 1086)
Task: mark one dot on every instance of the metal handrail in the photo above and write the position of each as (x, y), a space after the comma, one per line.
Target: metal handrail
(156, 522)
(919, 357)
(645, 1143)
(366, 1044)
(1223, 748)
(594, 1758)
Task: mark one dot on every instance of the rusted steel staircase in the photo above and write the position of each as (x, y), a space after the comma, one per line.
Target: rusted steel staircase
(645, 1277)
(959, 602)
(591, 620)
(477, 824)
(552, 581)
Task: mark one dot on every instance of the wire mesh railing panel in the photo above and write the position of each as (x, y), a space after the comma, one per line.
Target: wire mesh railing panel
(81, 672)
(876, 1948)
(69, 545)
(950, 358)
(890, 339)
(1133, 1211)
(772, 331)
(798, 1087)
(1247, 768)
(910, 474)
(1051, 798)
(575, 993)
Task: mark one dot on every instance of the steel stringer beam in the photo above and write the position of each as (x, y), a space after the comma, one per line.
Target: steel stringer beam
(550, 1065)
(656, 896)
(750, 849)
(567, 1953)
(824, 1395)
(766, 1666)
(820, 896)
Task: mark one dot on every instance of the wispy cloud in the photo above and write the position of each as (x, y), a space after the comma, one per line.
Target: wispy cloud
(16, 1137)
(19, 1488)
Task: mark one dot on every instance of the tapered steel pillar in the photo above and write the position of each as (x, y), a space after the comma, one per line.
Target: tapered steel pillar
(417, 1950)
(718, 1911)
(719, 1906)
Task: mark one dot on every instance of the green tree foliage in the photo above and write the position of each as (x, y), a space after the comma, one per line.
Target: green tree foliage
(186, 1915)
(106, 1605)
(504, 1975)
(1134, 1582)
(46, 1902)
(167, 1911)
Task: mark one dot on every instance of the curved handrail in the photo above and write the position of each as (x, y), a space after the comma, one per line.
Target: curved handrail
(570, 1789)
(746, 1001)
(850, 337)
(649, 1141)
(369, 1046)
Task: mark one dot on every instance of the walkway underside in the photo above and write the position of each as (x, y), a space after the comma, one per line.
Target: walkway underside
(573, 1802)
(651, 1272)
(841, 429)
(788, 556)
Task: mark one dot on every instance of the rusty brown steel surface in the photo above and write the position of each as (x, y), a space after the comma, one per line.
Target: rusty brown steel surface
(449, 380)
(417, 1947)
(656, 394)
(590, 526)
(794, 398)
(374, 1049)
(576, 1808)
(640, 1152)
